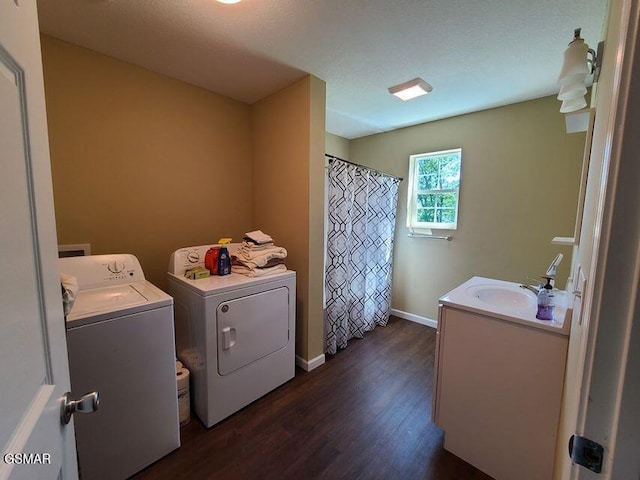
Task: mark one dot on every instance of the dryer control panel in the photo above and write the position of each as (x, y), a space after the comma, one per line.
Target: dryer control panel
(94, 271)
(185, 258)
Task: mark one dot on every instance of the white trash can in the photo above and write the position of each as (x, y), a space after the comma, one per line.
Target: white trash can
(184, 408)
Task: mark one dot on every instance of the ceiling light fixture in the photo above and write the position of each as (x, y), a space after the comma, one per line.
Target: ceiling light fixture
(411, 89)
(229, 1)
(576, 67)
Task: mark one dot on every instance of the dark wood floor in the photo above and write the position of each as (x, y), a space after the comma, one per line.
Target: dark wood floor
(364, 414)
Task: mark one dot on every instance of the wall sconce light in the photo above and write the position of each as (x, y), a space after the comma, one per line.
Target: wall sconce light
(575, 70)
(411, 89)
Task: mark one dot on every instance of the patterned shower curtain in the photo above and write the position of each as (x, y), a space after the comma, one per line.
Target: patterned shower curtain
(362, 214)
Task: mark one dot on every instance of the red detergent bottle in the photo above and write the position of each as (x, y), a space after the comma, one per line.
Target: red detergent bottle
(211, 259)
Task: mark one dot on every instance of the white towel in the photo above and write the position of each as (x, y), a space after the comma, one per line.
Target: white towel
(69, 291)
(258, 272)
(259, 236)
(251, 253)
(261, 257)
(254, 247)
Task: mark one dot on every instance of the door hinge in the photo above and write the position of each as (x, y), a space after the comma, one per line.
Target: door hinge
(586, 453)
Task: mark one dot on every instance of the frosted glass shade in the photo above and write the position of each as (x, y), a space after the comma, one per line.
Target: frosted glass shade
(570, 91)
(572, 105)
(579, 78)
(573, 76)
(575, 60)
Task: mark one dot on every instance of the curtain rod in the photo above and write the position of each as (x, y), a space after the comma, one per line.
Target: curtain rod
(333, 157)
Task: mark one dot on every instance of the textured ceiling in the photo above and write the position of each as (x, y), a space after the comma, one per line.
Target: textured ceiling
(476, 54)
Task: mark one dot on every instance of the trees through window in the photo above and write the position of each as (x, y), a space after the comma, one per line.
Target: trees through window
(434, 185)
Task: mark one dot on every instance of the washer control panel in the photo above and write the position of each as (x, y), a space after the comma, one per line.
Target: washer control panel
(116, 267)
(93, 271)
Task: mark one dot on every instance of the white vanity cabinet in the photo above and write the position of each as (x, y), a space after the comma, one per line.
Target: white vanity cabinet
(498, 386)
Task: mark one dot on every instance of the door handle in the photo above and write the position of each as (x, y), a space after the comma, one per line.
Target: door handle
(228, 338)
(88, 403)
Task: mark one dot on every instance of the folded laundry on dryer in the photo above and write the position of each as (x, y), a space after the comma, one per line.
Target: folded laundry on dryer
(258, 272)
(259, 257)
(258, 260)
(249, 249)
(258, 237)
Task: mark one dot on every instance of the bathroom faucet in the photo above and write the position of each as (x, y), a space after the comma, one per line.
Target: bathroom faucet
(551, 274)
(534, 287)
(551, 271)
(531, 288)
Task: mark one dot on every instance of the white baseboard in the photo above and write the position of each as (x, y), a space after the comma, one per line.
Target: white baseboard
(415, 318)
(311, 364)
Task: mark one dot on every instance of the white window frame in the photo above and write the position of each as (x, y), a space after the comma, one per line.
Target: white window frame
(413, 192)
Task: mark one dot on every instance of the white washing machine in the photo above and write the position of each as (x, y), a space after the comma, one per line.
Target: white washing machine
(234, 333)
(120, 339)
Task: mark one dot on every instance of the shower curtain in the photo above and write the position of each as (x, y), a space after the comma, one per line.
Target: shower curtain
(361, 223)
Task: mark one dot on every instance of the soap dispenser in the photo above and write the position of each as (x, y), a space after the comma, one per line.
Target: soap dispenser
(545, 301)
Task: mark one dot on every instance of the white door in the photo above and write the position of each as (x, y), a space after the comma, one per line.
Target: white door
(609, 411)
(34, 374)
(606, 411)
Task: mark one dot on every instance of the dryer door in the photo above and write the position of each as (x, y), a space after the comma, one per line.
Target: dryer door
(250, 328)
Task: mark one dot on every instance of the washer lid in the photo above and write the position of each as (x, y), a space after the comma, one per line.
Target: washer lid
(106, 299)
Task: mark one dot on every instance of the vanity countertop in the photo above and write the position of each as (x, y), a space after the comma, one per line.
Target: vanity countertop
(508, 301)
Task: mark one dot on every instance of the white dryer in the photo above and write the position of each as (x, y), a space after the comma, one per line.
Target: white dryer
(235, 334)
(120, 339)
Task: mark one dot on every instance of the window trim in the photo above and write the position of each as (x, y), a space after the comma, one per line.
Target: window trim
(412, 194)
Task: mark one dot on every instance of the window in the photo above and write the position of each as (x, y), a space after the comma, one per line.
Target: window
(434, 184)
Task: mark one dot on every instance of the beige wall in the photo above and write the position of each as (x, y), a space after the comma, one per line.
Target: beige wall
(315, 335)
(146, 164)
(142, 163)
(519, 189)
(288, 146)
(338, 146)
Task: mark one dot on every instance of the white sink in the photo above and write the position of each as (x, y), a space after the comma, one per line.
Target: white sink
(503, 296)
(508, 301)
